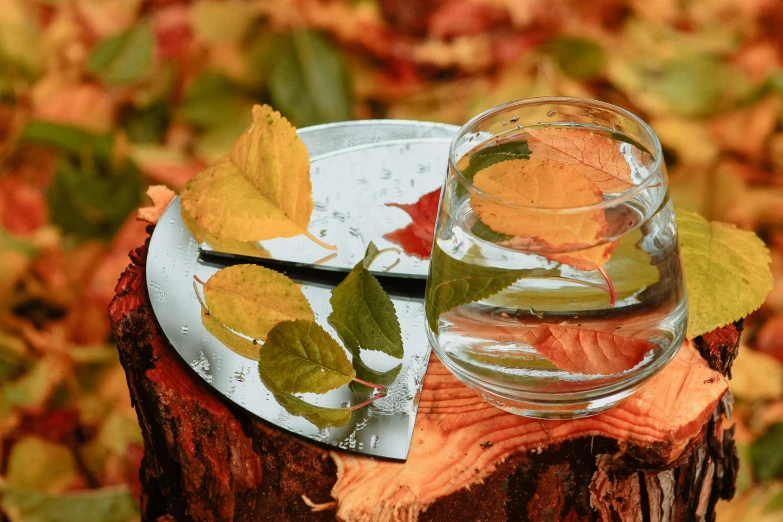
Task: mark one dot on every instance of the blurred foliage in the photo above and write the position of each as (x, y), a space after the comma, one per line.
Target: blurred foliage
(100, 97)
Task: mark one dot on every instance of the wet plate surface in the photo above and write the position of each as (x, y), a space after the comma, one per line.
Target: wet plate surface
(356, 168)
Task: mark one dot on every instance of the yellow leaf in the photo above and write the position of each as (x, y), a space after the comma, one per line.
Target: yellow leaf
(228, 246)
(535, 189)
(251, 299)
(261, 190)
(597, 157)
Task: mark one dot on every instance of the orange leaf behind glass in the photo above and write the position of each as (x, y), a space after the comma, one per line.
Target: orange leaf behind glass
(578, 350)
(595, 156)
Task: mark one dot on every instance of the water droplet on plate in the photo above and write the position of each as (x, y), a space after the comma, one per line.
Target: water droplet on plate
(374, 440)
(184, 330)
(551, 113)
(514, 119)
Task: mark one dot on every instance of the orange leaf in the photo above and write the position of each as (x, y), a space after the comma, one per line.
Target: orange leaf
(578, 350)
(597, 157)
(161, 196)
(540, 188)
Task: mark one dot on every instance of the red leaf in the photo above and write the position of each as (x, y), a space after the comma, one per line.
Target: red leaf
(578, 350)
(416, 238)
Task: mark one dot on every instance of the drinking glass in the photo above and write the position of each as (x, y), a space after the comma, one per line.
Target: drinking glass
(555, 288)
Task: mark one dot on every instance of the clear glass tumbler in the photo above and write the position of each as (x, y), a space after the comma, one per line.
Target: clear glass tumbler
(555, 287)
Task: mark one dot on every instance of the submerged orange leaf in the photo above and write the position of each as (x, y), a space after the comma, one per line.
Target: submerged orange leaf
(578, 350)
(543, 210)
(597, 157)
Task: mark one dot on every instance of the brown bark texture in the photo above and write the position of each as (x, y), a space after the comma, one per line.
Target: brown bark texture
(208, 460)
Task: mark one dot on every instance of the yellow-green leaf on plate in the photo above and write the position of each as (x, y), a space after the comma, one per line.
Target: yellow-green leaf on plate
(301, 357)
(261, 190)
(251, 299)
(720, 260)
(363, 313)
(228, 246)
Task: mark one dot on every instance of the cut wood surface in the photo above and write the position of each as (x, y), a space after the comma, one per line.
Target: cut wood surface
(661, 455)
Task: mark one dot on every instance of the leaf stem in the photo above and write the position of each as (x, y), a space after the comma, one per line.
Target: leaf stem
(612, 291)
(368, 401)
(199, 280)
(371, 385)
(318, 241)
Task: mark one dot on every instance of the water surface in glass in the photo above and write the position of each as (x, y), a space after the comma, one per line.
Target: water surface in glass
(555, 285)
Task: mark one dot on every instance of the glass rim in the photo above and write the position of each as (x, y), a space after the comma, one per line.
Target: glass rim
(621, 197)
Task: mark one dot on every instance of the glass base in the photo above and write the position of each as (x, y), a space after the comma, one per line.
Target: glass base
(553, 405)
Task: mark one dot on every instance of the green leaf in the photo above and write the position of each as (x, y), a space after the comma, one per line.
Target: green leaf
(318, 415)
(301, 357)
(222, 22)
(488, 156)
(112, 504)
(148, 124)
(578, 58)
(766, 454)
(721, 260)
(696, 85)
(213, 100)
(68, 139)
(13, 355)
(453, 283)
(125, 58)
(35, 463)
(89, 204)
(309, 80)
(363, 313)
(482, 231)
(251, 299)
(22, 246)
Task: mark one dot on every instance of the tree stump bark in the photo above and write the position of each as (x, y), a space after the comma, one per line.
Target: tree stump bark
(663, 455)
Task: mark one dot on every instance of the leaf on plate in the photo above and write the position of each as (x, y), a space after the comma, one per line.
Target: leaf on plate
(578, 350)
(721, 260)
(766, 455)
(593, 155)
(261, 190)
(124, 58)
(416, 238)
(320, 416)
(251, 299)
(229, 246)
(301, 357)
(109, 504)
(453, 283)
(363, 313)
(232, 341)
(536, 189)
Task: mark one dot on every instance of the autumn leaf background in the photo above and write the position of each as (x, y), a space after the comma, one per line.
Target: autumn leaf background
(99, 98)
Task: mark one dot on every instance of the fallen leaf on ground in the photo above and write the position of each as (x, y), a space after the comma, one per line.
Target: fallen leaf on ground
(161, 196)
(416, 238)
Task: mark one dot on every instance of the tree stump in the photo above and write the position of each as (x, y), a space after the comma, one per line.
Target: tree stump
(661, 456)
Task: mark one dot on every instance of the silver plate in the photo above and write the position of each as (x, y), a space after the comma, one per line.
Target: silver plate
(356, 168)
